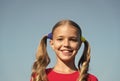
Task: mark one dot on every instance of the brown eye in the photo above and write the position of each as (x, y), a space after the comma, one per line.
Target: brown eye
(59, 39)
(74, 39)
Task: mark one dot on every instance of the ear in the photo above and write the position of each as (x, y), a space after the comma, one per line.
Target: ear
(51, 44)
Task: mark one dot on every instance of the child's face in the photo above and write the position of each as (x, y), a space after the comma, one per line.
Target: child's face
(66, 42)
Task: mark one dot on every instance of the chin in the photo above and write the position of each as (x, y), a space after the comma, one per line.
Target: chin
(67, 59)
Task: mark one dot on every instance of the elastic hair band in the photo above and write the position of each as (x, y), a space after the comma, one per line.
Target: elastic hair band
(83, 39)
(49, 36)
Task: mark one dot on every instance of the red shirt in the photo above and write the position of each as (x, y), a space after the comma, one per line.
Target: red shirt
(54, 76)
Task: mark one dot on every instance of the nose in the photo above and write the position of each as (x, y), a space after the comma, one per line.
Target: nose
(66, 43)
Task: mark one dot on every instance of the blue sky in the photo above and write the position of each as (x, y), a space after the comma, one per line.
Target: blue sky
(24, 22)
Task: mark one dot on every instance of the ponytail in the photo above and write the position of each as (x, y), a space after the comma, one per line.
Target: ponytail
(41, 62)
(83, 64)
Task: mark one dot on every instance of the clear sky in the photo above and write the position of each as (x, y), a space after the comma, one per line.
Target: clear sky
(24, 22)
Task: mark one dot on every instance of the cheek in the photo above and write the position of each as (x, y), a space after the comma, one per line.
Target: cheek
(55, 45)
(77, 46)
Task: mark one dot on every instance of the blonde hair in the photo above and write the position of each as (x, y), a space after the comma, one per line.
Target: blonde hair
(83, 64)
(42, 58)
(41, 62)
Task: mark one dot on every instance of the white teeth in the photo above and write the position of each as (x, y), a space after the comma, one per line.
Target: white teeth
(66, 51)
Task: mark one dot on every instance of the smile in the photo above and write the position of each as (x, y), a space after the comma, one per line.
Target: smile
(67, 52)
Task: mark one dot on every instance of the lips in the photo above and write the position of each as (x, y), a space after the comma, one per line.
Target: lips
(67, 52)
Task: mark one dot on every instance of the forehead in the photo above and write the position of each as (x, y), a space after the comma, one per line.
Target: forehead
(66, 30)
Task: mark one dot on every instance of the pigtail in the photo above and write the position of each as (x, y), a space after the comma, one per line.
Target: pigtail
(83, 63)
(41, 62)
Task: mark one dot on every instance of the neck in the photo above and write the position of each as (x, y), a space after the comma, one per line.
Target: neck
(65, 67)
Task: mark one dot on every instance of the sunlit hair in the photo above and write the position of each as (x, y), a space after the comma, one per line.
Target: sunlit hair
(83, 64)
(42, 58)
(41, 62)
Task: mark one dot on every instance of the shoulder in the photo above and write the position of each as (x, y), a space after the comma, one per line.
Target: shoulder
(92, 77)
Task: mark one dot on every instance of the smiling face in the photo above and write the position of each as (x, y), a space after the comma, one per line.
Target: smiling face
(66, 42)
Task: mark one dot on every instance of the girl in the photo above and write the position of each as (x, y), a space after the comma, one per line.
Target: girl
(65, 39)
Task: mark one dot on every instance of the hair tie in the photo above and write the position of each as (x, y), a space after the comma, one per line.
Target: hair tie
(83, 39)
(49, 36)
